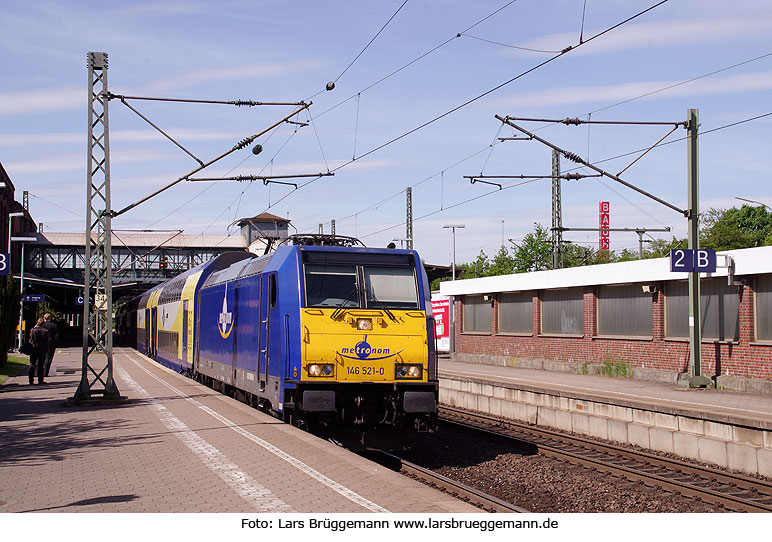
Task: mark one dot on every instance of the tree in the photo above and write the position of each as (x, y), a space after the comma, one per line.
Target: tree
(479, 267)
(502, 264)
(9, 315)
(535, 252)
(726, 229)
(578, 255)
(660, 248)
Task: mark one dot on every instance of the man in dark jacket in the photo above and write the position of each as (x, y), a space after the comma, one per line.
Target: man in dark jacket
(53, 339)
(38, 337)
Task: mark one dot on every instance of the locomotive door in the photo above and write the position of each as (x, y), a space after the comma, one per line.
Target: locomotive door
(267, 321)
(262, 345)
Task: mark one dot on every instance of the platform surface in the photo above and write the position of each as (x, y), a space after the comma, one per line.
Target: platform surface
(177, 446)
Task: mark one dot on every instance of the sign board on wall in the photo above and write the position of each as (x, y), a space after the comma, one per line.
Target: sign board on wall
(441, 312)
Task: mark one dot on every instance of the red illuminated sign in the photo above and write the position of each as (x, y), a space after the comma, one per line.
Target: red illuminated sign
(603, 224)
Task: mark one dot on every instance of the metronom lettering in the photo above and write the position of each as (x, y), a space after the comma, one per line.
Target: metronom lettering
(366, 351)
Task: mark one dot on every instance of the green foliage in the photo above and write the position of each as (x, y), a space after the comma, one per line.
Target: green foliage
(45, 307)
(478, 268)
(616, 368)
(722, 229)
(502, 264)
(12, 367)
(9, 315)
(726, 229)
(578, 255)
(660, 248)
(535, 252)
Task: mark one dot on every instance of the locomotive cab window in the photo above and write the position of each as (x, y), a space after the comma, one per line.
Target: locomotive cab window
(391, 287)
(331, 286)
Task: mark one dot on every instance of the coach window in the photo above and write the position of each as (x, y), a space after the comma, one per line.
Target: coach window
(477, 314)
(624, 310)
(562, 312)
(516, 313)
(762, 286)
(719, 310)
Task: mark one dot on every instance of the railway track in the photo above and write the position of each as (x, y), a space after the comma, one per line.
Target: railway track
(732, 491)
(448, 485)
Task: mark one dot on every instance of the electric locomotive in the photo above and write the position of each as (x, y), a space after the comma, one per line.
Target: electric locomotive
(325, 337)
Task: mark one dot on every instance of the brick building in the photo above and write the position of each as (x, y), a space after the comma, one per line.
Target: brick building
(21, 225)
(632, 315)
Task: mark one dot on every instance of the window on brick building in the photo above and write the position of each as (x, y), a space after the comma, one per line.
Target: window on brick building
(562, 312)
(516, 312)
(719, 310)
(477, 314)
(762, 286)
(624, 310)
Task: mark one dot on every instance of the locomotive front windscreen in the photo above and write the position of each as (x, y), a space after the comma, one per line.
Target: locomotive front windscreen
(361, 286)
(331, 286)
(392, 287)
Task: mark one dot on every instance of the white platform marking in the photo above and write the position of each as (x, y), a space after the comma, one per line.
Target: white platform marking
(260, 497)
(332, 484)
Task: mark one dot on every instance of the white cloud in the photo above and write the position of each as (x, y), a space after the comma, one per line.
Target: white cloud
(233, 73)
(77, 161)
(660, 34)
(43, 100)
(180, 134)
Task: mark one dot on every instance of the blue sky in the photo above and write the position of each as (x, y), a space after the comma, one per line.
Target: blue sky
(287, 51)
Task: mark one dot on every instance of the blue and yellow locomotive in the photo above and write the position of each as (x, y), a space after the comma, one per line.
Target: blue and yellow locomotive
(323, 336)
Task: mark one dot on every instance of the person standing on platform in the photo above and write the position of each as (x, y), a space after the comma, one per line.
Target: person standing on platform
(38, 337)
(53, 340)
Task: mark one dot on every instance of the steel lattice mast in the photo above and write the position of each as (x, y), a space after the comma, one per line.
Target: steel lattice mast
(557, 214)
(97, 370)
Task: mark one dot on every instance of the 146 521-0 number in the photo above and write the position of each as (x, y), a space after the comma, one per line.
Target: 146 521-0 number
(366, 371)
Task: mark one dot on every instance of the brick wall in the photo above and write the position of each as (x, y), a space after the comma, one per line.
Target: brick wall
(744, 358)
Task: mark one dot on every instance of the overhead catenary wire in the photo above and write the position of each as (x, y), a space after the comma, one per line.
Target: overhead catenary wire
(435, 119)
(372, 40)
(440, 174)
(464, 202)
(494, 89)
(420, 57)
(588, 153)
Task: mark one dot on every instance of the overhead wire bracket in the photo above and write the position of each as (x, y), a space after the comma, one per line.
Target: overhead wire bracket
(579, 160)
(240, 145)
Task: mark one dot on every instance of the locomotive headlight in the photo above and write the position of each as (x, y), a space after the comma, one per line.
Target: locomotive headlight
(364, 324)
(317, 369)
(408, 371)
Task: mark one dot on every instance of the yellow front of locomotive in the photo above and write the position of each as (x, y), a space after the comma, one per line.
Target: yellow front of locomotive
(364, 345)
(366, 352)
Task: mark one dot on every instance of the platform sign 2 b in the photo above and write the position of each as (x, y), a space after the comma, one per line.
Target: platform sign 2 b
(689, 260)
(5, 269)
